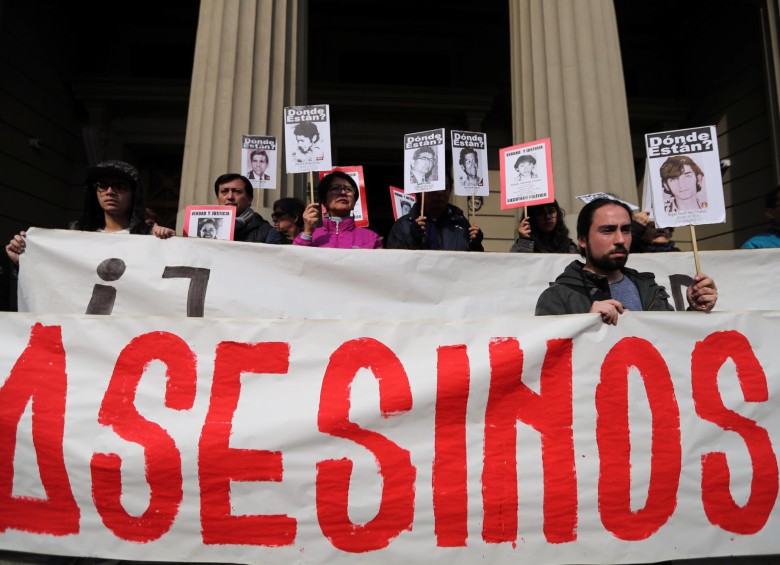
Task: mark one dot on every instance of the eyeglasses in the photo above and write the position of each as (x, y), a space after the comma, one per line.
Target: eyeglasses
(339, 188)
(118, 186)
(425, 158)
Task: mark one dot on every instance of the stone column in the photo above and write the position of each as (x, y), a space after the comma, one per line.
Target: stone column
(567, 84)
(249, 63)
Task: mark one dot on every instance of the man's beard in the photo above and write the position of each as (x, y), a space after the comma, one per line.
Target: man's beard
(607, 263)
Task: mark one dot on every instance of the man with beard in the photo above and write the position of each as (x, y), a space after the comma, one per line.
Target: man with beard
(603, 284)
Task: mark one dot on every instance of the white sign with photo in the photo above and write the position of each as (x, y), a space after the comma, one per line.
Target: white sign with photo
(259, 158)
(307, 138)
(424, 169)
(210, 222)
(685, 177)
(469, 163)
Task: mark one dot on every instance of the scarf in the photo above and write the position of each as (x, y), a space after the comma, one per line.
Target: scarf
(243, 219)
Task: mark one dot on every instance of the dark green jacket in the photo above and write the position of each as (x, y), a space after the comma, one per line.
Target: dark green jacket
(575, 291)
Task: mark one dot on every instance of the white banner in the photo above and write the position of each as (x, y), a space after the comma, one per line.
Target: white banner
(66, 271)
(515, 440)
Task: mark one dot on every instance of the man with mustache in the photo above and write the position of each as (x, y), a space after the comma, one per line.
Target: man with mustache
(603, 284)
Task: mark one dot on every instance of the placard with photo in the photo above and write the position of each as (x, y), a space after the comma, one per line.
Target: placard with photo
(469, 163)
(526, 174)
(424, 169)
(307, 138)
(685, 177)
(402, 202)
(258, 160)
(210, 222)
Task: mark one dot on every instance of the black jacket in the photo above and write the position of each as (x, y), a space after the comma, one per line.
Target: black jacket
(576, 289)
(254, 230)
(452, 230)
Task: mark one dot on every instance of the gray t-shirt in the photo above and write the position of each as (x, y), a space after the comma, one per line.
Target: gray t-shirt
(626, 292)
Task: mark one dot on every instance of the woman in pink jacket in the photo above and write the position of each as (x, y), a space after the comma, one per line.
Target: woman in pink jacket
(338, 193)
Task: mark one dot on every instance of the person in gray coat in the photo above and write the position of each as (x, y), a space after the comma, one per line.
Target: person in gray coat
(603, 284)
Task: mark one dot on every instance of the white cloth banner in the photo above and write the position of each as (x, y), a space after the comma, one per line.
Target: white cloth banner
(511, 440)
(66, 271)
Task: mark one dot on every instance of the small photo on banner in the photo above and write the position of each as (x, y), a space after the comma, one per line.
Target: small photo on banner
(402, 203)
(360, 211)
(307, 138)
(258, 158)
(469, 163)
(526, 174)
(210, 222)
(685, 177)
(424, 169)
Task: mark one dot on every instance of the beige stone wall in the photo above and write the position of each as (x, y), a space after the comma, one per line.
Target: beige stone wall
(249, 65)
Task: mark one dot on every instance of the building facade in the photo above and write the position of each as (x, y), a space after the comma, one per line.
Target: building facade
(179, 83)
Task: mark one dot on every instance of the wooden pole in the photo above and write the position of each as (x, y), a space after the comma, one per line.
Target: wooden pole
(311, 186)
(473, 209)
(695, 249)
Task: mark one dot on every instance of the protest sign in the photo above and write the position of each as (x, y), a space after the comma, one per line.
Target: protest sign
(177, 276)
(424, 161)
(210, 222)
(360, 211)
(469, 163)
(307, 138)
(591, 197)
(402, 203)
(259, 158)
(685, 177)
(526, 174)
(509, 440)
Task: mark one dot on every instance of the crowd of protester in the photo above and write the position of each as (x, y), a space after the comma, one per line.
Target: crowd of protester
(113, 203)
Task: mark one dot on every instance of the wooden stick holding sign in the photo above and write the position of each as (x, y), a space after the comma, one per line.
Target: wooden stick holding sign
(695, 249)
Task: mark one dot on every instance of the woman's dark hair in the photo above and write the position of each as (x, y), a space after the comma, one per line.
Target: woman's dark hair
(292, 208)
(327, 180)
(556, 242)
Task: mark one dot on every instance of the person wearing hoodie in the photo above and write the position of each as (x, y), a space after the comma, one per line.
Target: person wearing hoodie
(113, 203)
(603, 284)
(338, 192)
